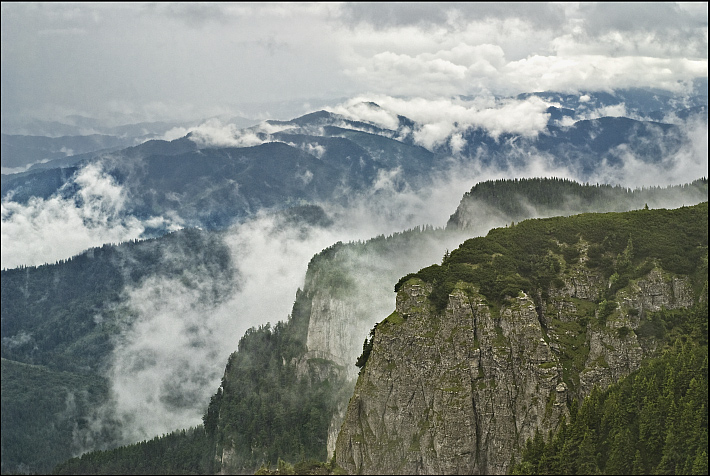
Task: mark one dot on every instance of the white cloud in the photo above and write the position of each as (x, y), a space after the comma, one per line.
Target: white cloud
(213, 133)
(439, 119)
(357, 110)
(316, 150)
(598, 72)
(44, 231)
(687, 164)
(131, 60)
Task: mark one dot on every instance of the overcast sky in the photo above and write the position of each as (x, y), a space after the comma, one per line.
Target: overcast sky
(181, 61)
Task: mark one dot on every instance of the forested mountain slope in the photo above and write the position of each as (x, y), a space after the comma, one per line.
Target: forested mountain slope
(498, 202)
(497, 342)
(305, 388)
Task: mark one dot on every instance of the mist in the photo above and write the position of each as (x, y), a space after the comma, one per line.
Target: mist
(47, 230)
(169, 357)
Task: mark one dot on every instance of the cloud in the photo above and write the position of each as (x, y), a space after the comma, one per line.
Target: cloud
(508, 49)
(181, 334)
(357, 110)
(169, 360)
(43, 231)
(166, 365)
(440, 119)
(689, 163)
(459, 69)
(390, 14)
(570, 73)
(215, 134)
(183, 61)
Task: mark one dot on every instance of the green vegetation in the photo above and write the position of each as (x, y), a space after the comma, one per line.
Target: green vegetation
(180, 452)
(366, 349)
(268, 408)
(556, 196)
(31, 393)
(527, 256)
(55, 349)
(54, 306)
(262, 412)
(654, 421)
(265, 411)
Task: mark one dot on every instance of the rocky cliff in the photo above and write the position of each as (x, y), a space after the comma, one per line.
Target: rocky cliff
(348, 287)
(459, 390)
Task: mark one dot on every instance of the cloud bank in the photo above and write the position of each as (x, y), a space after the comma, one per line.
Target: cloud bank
(129, 61)
(44, 231)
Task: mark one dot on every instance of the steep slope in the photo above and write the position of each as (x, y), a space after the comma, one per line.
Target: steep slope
(346, 288)
(496, 203)
(496, 342)
(306, 363)
(654, 421)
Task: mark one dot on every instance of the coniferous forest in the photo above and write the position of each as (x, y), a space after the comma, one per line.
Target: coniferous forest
(654, 421)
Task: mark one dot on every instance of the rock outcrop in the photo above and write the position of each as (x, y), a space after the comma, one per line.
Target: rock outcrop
(460, 391)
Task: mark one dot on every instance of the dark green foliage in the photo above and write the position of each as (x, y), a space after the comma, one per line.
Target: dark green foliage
(180, 452)
(49, 321)
(523, 258)
(266, 412)
(366, 349)
(43, 405)
(654, 421)
(263, 412)
(56, 304)
(606, 308)
(556, 196)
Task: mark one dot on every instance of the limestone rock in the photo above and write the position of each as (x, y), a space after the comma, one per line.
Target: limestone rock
(460, 391)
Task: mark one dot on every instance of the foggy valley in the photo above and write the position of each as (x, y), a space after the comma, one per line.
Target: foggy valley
(147, 244)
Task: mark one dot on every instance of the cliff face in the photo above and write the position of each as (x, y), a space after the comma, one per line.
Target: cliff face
(460, 391)
(335, 331)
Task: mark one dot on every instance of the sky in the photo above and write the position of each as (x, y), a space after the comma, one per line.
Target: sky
(133, 62)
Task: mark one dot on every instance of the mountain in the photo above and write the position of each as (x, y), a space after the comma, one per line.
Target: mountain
(213, 178)
(500, 202)
(126, 336)
(214, 187)
(306, 362)
(651, 422)
(62, 322)
(495, 344)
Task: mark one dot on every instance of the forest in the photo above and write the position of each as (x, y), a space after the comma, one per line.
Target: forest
(274, 418)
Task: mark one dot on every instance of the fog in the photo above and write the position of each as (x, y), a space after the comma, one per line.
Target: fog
(170, 357)
(47, 230)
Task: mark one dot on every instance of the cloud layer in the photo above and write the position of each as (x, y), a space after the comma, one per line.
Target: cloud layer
(44, 231)
(178, 62)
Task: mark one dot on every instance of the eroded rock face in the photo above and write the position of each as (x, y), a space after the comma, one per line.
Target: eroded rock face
(429, 399)
(460, 392)
(335, 332)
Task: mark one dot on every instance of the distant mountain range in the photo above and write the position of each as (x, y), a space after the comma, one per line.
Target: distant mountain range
(323, 156)
(286, 386)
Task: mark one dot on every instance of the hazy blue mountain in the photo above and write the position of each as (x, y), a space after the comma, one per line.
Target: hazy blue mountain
(323, 156)
(20, 151)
